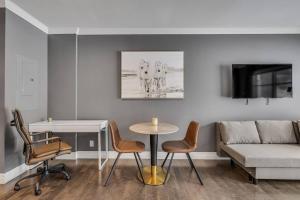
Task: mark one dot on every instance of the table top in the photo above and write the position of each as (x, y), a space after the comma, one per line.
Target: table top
(149, 129)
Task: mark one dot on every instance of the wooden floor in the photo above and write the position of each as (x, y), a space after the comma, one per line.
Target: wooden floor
(221, 182)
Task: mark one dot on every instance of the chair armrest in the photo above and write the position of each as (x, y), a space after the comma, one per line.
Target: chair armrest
(50, 139)
(47, 139)
(39, 133)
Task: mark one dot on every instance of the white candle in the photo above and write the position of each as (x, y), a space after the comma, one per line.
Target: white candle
(154, 121)
(49, 119)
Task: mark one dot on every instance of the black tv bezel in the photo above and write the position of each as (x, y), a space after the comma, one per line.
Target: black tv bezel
(280, 64)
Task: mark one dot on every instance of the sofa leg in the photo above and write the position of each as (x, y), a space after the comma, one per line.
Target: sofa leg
(254, 181)
(232, 164)
(250, 178)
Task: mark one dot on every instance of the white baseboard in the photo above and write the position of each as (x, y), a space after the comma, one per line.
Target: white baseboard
(144, 155)
(79, 155)
(6, 177)
(17, 171)
(71, 156)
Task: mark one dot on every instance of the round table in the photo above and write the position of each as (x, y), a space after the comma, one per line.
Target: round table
(153, 175)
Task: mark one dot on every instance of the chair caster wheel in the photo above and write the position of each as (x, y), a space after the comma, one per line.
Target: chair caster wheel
(37, 192)
(68, 178)
(17, 187)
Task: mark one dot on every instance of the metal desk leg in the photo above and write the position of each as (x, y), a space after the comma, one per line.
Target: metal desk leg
(100, 164)
(99, 150)
(106, 143)
(76, 145)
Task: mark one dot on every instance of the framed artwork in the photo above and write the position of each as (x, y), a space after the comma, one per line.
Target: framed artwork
(152, 75)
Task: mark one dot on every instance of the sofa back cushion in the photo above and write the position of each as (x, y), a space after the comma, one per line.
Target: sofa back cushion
(276, 132)
(239, 132)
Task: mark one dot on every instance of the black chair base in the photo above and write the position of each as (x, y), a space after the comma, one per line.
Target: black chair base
(42, 173)
(191, 164)
(138, 162)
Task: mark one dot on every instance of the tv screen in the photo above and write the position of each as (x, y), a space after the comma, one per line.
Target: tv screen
(262, 80)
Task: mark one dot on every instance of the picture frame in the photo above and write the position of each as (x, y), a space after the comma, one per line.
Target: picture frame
(152, 74)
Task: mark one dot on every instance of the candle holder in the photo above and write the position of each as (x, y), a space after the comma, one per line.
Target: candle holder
(154, 121)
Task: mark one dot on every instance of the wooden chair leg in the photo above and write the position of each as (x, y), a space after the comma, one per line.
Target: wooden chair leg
(137, 162)
(112, 169)
(193, 166)
(163, 164)
(169, 167)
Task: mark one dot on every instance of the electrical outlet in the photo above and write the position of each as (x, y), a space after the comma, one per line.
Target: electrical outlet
(92, 144)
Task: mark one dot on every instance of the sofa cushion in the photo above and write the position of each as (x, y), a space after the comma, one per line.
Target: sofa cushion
(276, 132)
(239, 132)
(265, 155)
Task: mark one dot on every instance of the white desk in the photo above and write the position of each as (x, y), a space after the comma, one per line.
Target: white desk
(76, 126)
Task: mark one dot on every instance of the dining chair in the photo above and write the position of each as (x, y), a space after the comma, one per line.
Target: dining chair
(121, 145)
(187, 145)
(38, 152)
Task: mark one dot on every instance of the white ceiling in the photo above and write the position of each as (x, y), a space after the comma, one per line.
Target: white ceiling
(164, 13)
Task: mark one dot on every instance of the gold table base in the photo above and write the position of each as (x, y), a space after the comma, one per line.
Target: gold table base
(153, 175)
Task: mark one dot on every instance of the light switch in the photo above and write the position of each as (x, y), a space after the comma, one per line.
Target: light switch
(92, 144)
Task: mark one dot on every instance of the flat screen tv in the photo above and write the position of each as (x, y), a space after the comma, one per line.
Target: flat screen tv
(262, 80)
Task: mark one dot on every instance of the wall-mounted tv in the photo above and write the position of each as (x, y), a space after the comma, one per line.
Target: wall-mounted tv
(262, 80)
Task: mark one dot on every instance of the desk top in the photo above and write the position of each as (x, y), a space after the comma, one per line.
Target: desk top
(149, 129)
(68, 126)
(69, 122)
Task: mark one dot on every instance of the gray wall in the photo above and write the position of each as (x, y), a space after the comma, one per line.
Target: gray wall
(25, 40)
(207, 82)
(61, 79)
(2, 89)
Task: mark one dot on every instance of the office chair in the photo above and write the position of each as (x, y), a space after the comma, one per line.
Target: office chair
(37, 151)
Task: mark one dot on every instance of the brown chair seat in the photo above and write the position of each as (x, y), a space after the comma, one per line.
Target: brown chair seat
(32, 161)
(127, 146)
(51, 148)
(177, 146)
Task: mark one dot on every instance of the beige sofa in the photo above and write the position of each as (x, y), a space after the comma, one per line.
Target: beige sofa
(265, 149)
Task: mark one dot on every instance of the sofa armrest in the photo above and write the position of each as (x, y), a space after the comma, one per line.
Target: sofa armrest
(296, 130)
(219, 141)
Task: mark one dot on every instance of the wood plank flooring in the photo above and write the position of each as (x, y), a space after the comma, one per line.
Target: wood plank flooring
(221, 182)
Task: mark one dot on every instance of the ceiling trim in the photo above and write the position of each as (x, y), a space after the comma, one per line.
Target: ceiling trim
(67, 30)
(25, 15)
(174, 31)
(143, 31)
